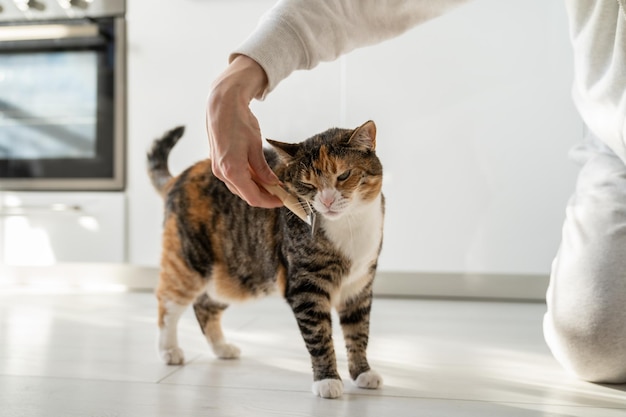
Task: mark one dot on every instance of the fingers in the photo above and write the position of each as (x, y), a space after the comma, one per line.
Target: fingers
(230, 162)
(237, 159)
(238, 177)
(260, 169)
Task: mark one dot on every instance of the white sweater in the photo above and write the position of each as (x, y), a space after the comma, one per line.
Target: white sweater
(299, 34)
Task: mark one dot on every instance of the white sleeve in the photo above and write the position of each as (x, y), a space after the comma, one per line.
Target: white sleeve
(598, 32)
(299, 34)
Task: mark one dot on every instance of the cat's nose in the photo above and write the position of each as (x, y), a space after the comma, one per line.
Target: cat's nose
(327, 201)
(327, 198)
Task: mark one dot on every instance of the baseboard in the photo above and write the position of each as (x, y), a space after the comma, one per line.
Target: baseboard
(80, 277)
(95, 277)
(462, 285)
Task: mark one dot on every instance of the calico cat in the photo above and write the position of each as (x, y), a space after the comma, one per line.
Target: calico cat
(218, 250)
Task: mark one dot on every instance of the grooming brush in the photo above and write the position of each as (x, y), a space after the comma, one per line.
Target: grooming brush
(293, 204)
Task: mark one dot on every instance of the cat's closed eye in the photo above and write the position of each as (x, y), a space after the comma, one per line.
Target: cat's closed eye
(344, 176)
(307, 186)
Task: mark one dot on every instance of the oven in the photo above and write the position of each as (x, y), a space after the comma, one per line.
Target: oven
(62, 95)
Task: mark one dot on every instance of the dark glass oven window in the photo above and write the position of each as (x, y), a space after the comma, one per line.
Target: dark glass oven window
(57, 107)
(48, 105)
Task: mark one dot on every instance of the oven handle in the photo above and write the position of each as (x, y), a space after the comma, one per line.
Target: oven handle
(47, 32)
(56, 208)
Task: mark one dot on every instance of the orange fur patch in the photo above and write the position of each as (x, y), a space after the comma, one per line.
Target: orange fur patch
(325, 163)
(226, 287)
(177, 282)
(371, 189)
(281, 280)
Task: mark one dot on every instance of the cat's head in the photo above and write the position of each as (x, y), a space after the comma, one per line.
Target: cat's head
(336, 171)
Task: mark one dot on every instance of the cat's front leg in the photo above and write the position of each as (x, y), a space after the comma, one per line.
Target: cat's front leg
(354, 316)
(311, 306)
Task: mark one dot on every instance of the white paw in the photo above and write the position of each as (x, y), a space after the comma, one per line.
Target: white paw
(370, 380)
(226, 351)
(328, 388)
(173, 356)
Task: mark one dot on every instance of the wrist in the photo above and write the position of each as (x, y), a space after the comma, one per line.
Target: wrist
(247, 76)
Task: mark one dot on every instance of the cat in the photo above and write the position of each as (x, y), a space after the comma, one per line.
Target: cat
(218, 250)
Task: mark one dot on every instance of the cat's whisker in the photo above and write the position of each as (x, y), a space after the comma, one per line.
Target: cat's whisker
(308, 207)
(349, 217)
(291, 214)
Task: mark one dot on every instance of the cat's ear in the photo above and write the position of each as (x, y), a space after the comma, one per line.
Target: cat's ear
(287, 151)
(364, 137)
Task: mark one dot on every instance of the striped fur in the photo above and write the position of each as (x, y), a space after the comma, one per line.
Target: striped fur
(218, 250)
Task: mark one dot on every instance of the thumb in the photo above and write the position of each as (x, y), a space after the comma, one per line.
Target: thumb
(261, 169)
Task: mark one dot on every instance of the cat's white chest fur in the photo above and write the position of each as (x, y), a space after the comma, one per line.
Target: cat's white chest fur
(358, 236)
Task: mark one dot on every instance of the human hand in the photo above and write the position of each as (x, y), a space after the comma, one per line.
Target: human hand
(234, 134)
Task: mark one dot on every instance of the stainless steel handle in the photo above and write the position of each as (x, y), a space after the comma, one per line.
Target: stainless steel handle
(54, 208)
(46, 32)
(35, 5)
(79, 4)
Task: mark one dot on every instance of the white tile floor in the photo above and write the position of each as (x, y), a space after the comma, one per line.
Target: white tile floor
(94, 355)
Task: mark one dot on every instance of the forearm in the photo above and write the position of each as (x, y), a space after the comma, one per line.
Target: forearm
(244, 79)
(299, 34)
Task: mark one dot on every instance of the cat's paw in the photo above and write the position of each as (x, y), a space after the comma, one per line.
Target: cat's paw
(370, 380)
(173, 356)
(328, 388)
(226, 351)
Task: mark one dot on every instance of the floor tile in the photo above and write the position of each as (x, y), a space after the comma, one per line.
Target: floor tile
(22, 396)
(95, 354)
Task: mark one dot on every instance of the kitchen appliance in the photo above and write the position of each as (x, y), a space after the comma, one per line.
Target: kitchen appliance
(62, 95)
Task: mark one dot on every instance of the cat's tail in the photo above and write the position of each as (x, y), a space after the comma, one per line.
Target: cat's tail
(157, 158)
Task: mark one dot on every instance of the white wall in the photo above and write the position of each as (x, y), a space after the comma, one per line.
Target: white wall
(473, 112)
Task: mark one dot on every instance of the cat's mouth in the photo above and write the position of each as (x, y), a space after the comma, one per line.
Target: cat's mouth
(330, 213)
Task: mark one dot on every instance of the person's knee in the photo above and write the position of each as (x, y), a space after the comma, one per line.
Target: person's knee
(588, 339)
(585, 326)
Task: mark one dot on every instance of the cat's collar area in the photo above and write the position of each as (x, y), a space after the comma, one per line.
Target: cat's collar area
(290, 201)
(312, 217)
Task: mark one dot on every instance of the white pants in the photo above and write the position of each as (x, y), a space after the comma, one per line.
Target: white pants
(585, 326)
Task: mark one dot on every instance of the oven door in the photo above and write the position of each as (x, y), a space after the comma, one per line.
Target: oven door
(62, 105)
